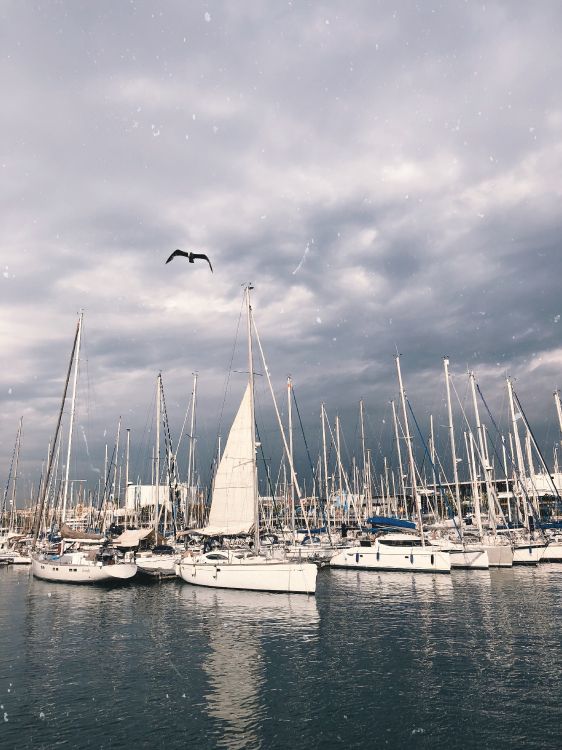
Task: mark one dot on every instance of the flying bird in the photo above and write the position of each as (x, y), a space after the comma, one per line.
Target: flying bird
(192, 257)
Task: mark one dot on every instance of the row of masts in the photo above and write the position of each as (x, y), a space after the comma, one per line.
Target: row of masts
(335, 495)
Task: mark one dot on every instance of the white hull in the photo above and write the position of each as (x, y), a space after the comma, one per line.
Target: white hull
(553, 553)
(468, 556)
(474, 559)
(85, 572)
(270, 575)
(14, 558)
(527, 554)
(19, 559)
(499, 555)
(381, 557)
(157, 565)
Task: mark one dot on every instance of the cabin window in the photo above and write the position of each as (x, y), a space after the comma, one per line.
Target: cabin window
(401, 542)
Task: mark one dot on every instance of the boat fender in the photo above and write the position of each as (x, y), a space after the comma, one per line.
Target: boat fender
(412, 557)
(378, 555)
(432, 558)
(357, 557)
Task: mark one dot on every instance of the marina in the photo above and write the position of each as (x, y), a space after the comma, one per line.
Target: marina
(281, 398)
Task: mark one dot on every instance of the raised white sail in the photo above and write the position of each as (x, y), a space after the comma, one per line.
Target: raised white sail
(232, 503)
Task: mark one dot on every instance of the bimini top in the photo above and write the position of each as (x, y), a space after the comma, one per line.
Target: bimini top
(390, 522)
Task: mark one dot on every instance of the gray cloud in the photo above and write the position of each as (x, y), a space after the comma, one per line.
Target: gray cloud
(414, 151)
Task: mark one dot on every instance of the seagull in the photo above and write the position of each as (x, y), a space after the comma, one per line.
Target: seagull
(191, 257)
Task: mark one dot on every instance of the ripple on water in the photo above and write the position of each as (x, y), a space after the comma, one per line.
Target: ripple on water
(469, 660)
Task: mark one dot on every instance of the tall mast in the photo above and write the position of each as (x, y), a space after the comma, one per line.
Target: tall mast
(453, 451)
(157, 462)
(116, 485)
(291, 485)
(432, 458)
(127, 454)
(72, 411)
(249, 287)
(415, 494)
(340, 482)
(44, 488)
(507, 487)
(191, 456)
(13, 514)
(399, 451)
(485, 463)
(518, 453)
(325, 456)
(558, 411)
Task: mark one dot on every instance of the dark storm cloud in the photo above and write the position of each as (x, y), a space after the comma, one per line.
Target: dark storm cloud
(387, 176)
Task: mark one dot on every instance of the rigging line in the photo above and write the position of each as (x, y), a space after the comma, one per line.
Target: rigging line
(476, 446)
(449, 507)
(229, 371)
(187, 413)
(4, 499)
(141, 452)
(41, 504)
(303, 433)
(313, 469)
(107, 481)
(267, 473)
(382, 428)
(170, 460)
(559, 499)
(344, 476)
(512, 462)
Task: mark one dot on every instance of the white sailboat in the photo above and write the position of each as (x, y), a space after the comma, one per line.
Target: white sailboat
(85, 559)
(82, 564)
(235, 511)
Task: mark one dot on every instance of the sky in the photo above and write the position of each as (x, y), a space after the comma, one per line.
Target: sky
(386, 174)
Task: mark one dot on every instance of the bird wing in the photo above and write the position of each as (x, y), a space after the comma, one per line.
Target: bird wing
(202, 256)
(176, 253)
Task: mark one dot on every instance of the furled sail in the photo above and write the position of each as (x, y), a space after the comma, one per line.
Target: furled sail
(232, 504)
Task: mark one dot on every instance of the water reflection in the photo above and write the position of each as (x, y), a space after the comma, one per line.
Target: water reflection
(286, 610)
(404, 660)
(393, 585)
(237, 623)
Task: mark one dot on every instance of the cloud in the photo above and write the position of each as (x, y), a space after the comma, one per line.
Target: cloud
(415, 152)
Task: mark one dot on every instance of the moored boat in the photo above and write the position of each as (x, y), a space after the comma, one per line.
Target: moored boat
(239, 569)
(81, 566)
(393, 551)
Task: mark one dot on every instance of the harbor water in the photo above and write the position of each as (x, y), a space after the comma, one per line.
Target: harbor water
(467, 660)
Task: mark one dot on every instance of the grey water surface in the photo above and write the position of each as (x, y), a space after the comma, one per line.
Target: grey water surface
(470, 660)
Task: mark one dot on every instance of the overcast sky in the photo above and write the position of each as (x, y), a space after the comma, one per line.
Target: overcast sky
(387, 174)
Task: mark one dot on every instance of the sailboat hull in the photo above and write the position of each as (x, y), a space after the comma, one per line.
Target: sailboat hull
(414, 559)
(553, 552)
(473, 559)
(59, 571)
(293, 578)
(528, 554)
(499, 555)
(158, 566)
(467, 556)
